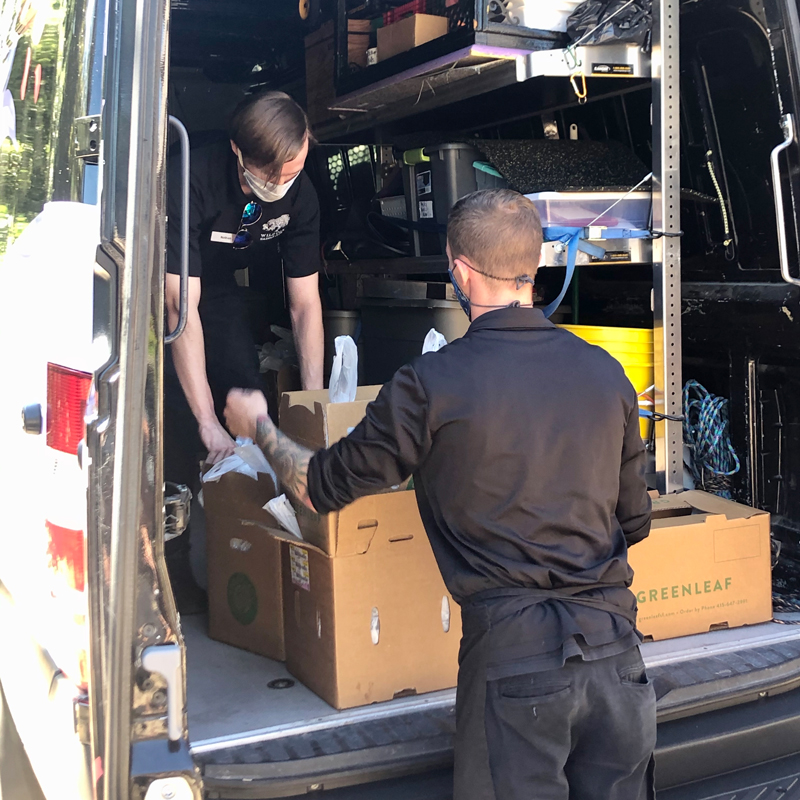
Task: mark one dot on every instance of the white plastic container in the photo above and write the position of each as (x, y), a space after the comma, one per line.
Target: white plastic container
(577, 209)
(539, 14)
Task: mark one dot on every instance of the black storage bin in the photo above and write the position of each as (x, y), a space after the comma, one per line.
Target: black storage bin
(393, 332)
(432, 188)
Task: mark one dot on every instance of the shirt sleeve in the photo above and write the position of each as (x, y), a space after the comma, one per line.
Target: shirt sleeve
(386, 447)
(174, 216)
(633, 504)
(300, 243)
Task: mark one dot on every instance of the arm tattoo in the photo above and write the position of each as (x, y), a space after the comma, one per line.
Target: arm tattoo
(288, 459)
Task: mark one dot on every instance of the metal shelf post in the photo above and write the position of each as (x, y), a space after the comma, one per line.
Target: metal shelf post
(667, 249)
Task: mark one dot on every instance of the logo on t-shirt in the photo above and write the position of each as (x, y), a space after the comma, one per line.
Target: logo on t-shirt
(273, 228)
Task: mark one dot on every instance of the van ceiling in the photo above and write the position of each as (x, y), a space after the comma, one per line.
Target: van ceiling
(236, 40)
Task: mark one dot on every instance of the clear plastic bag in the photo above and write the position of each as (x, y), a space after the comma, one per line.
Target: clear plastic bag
(434, 341)
(247, 459)
(282, 510)
(344, 374)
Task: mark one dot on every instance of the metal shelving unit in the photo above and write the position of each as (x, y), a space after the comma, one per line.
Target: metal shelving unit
(480, 68)
(667, 249)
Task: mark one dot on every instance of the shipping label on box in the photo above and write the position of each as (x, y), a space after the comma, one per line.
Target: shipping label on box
(298, 566)
(705, 566)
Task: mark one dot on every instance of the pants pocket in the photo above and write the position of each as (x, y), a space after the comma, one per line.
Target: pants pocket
(633, 673)
(534, 687)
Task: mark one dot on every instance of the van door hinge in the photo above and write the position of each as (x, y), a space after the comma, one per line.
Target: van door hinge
(177, 507)
(87, 138)
(80, 711)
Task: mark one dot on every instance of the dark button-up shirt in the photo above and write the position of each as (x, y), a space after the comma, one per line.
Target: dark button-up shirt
(529, 471)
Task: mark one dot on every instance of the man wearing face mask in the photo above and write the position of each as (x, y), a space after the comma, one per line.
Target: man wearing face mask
(254, 211)
(529, 472)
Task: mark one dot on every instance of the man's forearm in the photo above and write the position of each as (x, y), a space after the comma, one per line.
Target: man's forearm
(289, 459)
(188, 354)
(310, 342)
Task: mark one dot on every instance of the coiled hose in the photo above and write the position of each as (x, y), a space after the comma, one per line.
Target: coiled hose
(706, 432)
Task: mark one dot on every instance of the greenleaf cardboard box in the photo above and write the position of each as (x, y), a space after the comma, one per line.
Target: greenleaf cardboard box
(705, 566)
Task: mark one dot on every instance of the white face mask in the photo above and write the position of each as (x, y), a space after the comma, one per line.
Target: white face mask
(265, 191)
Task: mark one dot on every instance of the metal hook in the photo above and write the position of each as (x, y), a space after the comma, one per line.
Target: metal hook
(571, 55)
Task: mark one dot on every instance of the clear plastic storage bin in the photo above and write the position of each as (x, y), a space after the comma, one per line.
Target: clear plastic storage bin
(576, 209)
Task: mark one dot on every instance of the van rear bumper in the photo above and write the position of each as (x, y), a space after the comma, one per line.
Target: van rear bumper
(716, 714)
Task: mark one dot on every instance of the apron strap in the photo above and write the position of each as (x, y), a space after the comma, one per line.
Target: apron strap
(571, 594)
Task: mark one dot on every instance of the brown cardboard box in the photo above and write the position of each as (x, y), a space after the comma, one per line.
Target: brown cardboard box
(409, 33)
(705, 565)
(243, 545)
(312, 420)
(320, 89)
(372, 621)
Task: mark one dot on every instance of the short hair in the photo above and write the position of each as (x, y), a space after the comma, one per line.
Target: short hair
(499, 231)
(269, 129)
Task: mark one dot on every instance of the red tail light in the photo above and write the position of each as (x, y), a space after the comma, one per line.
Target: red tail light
(66, 399)
(66, 552)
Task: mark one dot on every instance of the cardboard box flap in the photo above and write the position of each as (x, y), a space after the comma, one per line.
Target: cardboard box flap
(272, 530)
(238, 496)
(670, 509)
(311, 419)
(711, 504)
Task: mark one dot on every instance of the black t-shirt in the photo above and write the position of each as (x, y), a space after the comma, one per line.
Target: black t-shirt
(285, 238)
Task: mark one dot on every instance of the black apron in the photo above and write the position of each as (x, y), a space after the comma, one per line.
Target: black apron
(485, 645)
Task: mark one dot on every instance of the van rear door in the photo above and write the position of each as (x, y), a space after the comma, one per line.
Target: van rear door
(141, 745)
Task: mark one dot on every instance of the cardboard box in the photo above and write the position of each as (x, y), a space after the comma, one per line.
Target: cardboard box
(312, 420)
(320, 88)
(373, 620)
(409, 33)
(706, 565)
(243, 546)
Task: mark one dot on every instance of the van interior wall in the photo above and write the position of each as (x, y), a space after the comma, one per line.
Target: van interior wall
(202, 105)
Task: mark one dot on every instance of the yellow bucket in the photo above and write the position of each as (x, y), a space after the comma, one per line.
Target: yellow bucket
(642, 376)
(632, 347)
(634, 350)
(602, 333)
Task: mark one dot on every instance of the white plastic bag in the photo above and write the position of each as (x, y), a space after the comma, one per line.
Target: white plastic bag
(434, 342)
(344, 374)
(247, 459)
(282, 510)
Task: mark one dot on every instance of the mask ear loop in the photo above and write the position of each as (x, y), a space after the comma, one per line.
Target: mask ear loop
(522, 280)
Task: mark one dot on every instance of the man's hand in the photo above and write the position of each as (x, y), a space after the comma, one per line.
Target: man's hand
(246, 415)
(216, 440)
(242, 410)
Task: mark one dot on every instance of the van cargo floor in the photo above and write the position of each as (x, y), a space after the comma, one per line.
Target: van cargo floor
(230, 699)
(244, 731)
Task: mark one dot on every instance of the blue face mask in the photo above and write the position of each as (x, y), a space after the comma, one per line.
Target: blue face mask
(463, 300)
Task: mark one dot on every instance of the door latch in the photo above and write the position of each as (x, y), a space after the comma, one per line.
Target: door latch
(177, 509)
(87, 138)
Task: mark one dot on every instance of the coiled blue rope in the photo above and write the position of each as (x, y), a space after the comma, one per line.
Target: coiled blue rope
(706, 431)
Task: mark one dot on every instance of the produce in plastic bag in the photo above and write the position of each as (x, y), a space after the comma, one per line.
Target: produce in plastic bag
(607, 22)
(434, 342)
(344, 375)
(247, 459)
(282, 510)
(272, 356)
